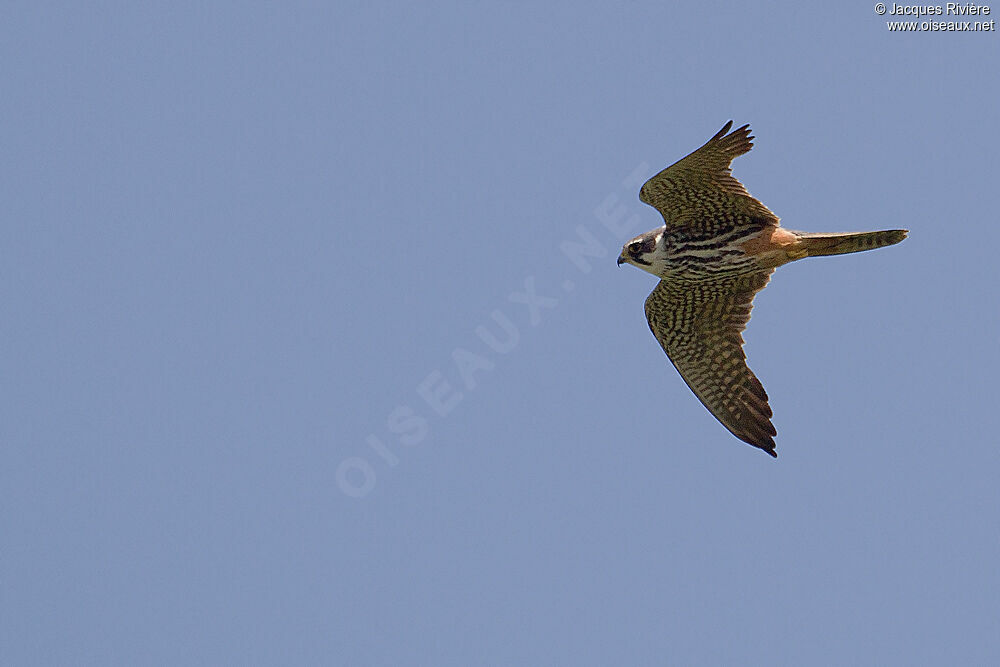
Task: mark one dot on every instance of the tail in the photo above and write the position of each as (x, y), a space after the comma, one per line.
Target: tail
(840, 244)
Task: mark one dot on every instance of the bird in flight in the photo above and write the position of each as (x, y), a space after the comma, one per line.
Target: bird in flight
(717, 248)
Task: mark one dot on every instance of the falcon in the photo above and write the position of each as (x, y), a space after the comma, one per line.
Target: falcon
(717, 248)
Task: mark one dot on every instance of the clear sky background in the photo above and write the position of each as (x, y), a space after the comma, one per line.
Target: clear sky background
(240, 240)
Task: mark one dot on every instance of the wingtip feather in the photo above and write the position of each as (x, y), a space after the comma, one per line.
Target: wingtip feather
(721, 133)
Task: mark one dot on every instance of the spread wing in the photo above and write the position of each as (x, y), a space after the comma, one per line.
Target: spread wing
(700, 188)
(699, 324)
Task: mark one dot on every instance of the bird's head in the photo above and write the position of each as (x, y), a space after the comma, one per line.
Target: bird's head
(642, 251)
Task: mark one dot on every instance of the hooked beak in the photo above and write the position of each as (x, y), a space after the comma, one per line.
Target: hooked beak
(621, 258)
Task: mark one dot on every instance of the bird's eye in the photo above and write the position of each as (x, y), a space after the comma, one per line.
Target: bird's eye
(635, 249)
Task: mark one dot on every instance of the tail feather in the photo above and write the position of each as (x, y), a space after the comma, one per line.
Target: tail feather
(840, 244)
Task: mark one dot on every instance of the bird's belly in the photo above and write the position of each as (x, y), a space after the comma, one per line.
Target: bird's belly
(736, 252)
(690, 261)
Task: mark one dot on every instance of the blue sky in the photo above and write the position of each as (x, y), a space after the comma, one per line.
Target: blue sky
(296, 370)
